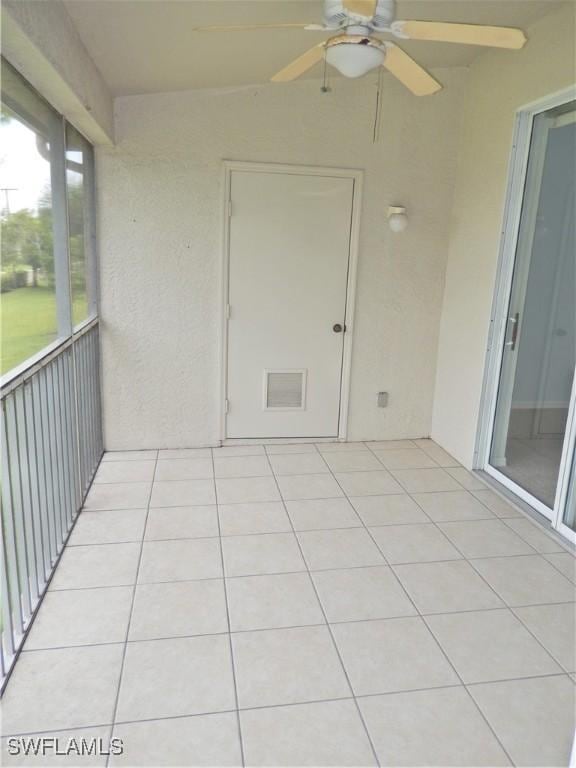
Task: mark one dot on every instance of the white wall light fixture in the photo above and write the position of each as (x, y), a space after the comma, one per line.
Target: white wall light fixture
(397, 218)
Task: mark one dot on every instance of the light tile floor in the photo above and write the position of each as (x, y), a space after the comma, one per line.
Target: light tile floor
(334, 604)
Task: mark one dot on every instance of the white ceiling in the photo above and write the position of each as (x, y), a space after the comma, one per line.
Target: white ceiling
(147, 46)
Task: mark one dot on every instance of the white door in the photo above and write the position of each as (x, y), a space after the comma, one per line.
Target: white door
(289, 248)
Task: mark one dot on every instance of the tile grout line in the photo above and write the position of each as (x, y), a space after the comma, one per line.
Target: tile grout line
(506, 607)
(472, 699)
(437, 466)
(451, 665)
(429, 453)
(311, 530)
(398, 692)
(444, 535)
(501, 597)
(329, 629)
(130, 614)
(558, 569)
(298, 626)
(528, 629)
(471, 560)
(364, 449)
(539, 529)
(401, 492)
(510, 608)
(492, 517)
(290, 453)
(381, 468)
(289, 704)
(316, 570)
(241, 535)
(229, 633)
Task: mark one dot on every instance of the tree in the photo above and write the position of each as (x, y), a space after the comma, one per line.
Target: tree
(76, 223)
(27, 237)
(27, 241)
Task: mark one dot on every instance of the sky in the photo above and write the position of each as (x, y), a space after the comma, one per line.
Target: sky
(21, 167)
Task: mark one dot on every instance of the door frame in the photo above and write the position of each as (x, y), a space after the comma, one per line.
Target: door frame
(517, 175)
(530, 198)
(357, 176)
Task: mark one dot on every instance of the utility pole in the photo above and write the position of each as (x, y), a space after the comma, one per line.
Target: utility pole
(7, 191)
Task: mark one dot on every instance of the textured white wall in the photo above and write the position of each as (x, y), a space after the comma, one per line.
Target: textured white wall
(160, 202)
(500, 83)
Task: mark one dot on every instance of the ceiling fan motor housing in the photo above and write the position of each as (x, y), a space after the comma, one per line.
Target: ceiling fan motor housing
(337, 17)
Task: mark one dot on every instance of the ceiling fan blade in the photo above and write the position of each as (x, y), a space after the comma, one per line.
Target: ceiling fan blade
(469, 34)
(410, 74)
(366, 8)
(248, 27)
(300, 65)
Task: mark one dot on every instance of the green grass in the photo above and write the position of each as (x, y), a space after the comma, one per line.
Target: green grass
(79, 307)
(28, 322)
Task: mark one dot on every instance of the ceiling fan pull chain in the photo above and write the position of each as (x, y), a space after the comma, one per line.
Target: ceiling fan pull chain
(378, 110)
(325, 87)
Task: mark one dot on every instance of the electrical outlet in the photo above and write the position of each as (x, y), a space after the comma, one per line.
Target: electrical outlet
(382, 399)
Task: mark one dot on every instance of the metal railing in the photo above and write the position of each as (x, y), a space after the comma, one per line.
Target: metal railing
(51, 437)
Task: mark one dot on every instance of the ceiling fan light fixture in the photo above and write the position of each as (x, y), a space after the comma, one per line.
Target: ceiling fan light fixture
(353, 59)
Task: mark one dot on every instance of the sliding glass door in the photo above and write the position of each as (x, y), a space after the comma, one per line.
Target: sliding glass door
(569, 516)
(532, 413)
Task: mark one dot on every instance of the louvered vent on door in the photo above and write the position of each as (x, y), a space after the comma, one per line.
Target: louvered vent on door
(284, 389)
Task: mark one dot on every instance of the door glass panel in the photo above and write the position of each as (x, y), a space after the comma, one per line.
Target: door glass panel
(539, 352)
(570, 510)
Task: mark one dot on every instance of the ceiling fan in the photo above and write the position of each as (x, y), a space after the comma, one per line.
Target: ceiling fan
(355, 51)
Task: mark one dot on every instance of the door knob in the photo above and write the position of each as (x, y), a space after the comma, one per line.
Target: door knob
(513, 322)
(338, 328)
